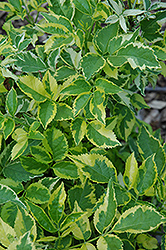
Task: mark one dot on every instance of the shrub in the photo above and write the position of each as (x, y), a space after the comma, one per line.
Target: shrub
(79, 170)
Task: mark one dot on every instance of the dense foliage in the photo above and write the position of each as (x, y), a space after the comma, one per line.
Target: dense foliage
(78, 169)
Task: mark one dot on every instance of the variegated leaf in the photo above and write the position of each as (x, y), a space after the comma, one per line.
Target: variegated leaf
(33, 87)
(55, 143)
(91, 63)
(37, 193)
(40, 153)
(148, 145)
(33, 165)
(84, 196)
(109, 241)
(105, 213)
(7, 194)
(104, 35)
(78, 128)
(108, 86)
(80, 102)
(81, 229)
(64, 112)
(11, 101)
(64, 10)
(9, 126)
(137, 55)
(46, 112)
(58, 19)
(131, 171)
(138, 219)
(84, 6)
(24, 242)
(98, 105)
(66, 170)
(100, 136)
(29, 62)
(41, 217)
(7, 234)
(56, 204)
(77, 87)
(147, 175)
(24, 222)
(96, 167)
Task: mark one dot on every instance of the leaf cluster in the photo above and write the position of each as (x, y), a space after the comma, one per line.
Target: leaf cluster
(78, 169)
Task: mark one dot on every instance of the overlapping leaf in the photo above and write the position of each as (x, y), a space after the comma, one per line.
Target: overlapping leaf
(100, 136)
(96, 167)
(106, 211)
(138, 219)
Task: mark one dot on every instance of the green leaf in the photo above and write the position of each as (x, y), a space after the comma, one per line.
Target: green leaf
(138, 219)
(33, 165)
(100, 136)
(91, 63)
(137, 55)
(97, 105)
(24, 242)
(41, 217)
(147, 175)
(16, 172)
(37, 193)
(7, 234)
(80, 102)
(108, 86)
(149, 145)
(56, 204)
(131, 171)
(84, 196)
(46, 112)
(81, 229)
(40, 154)
(65, 170)
(96, 167)
(7, 194)
(56, 143)
(53, 59)
(64, 112)
(77, 87)
(103, 37)
(33, 88)
(105, 213)
(78, 128)
(29, 62)
(60, 8)
(84, 6)
(11, 101)
(109, 241)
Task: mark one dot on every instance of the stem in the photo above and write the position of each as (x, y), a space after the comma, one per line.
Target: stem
(79, 245)
(129, 3)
